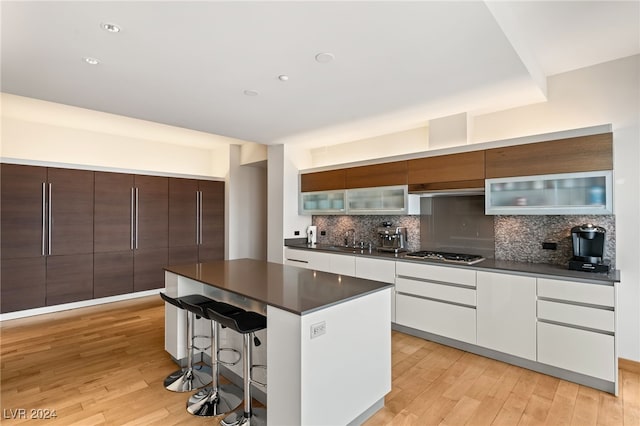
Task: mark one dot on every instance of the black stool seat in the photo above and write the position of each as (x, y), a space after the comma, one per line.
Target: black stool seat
(201, 308)
(242, 321)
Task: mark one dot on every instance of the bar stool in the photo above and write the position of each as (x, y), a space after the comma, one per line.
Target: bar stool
(245, 323)
(190, 377)
(216, 399)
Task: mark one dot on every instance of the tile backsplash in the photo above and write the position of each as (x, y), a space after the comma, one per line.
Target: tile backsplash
(517, 238)
(520, 238)
(365, 228)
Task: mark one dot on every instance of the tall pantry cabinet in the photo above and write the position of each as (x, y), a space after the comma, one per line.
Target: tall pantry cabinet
(69, 235)
(196, 221)
(47, 236)
(131, 233)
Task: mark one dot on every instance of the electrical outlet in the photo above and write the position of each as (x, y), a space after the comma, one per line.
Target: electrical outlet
(549, 246)
(296, 232)
(323, 233)
(318, 329)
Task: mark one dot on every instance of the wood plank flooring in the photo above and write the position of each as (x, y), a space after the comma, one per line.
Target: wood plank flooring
(105, 365)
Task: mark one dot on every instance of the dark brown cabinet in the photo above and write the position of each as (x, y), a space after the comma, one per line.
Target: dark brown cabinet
(442, 172)
(196, 220)
(323, 181)
(579, 154)
(113, 234)
(151, 232)
(131, 226)
(385, 174)
(71, 235)
(47, 236)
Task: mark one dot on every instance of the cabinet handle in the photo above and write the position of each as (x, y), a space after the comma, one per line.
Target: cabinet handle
(200, 218)
(132, 215)
(197, 217)
(50, 222)
(44, 218)
(136, 233)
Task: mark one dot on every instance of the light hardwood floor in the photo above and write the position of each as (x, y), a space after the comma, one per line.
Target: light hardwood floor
(106, 364)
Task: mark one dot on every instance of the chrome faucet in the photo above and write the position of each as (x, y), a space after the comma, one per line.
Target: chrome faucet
(346, 237)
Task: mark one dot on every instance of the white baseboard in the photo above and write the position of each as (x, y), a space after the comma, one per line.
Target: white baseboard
(74, 305)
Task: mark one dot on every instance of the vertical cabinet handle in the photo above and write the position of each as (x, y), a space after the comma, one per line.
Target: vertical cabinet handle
(197, 217)
(136, 233)
(200, 218)
(50, 222)
(44, 218)
(133, 212)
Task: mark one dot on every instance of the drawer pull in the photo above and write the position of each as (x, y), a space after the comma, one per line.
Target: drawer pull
(577, 327)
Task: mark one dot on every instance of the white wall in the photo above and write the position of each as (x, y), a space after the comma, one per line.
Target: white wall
(601, 94)
(47, 132)
(405, 142)
(247, 209)
(283, 221)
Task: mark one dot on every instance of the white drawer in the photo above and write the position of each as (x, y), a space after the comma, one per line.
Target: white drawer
(376, 269)
(594, 294)
(455, 322)
(299, 256)
(577, 350)
(436, 273)
(465, 296)
(599, 319)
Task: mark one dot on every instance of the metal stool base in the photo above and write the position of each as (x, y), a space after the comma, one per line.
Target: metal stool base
(237, 418)
(188, 380)
(209, 402)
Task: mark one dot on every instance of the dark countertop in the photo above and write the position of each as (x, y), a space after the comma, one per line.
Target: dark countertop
(490, 265)
(290, 288)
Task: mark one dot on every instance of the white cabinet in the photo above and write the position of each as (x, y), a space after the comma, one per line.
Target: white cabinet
(342, 264)
(577, 350)
(379, 270)
(567, 193)
(380, 200)
(322, 202)
(308, 259)
(436, 299)
(507, 313)
(576, 327)
(320, 261)
(360, 201)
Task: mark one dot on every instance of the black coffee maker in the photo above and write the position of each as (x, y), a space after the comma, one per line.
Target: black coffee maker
(588, 248)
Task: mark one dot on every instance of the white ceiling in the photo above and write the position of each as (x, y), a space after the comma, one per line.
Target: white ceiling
(397, 64)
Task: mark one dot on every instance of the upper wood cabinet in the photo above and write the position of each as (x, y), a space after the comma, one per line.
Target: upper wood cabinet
(385, 174)
(323, 181)
(453, 171)
(579, 154)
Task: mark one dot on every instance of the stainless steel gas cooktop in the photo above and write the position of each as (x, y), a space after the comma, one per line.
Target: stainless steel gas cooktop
(465, 259)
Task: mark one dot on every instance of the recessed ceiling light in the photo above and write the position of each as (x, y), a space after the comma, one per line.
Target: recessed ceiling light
(283, 77)
(251, 92)
(323, 58)
(112, 28)
(91, 61)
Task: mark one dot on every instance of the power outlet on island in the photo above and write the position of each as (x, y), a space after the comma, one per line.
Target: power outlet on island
(318, 329)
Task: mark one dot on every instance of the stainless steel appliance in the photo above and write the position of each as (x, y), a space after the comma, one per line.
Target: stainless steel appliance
(588, 248)
(466, 259)
(392, 238)
(312, 233)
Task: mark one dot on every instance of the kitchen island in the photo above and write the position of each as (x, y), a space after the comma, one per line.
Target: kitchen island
(327, 346)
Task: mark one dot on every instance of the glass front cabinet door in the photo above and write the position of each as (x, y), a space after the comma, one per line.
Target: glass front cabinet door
(380, 200)
(560, 194)
(322, 202)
